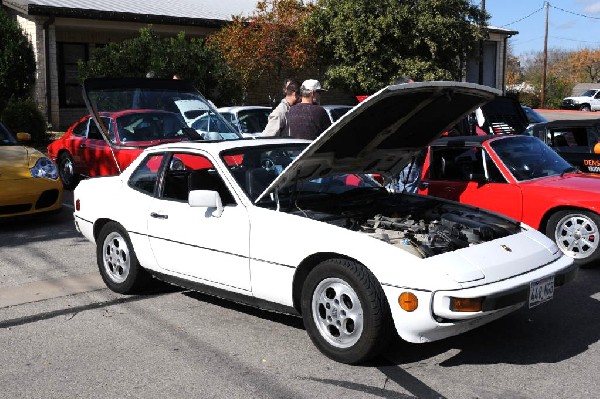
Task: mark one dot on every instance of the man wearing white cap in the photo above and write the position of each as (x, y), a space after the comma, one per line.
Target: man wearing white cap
(307, 119)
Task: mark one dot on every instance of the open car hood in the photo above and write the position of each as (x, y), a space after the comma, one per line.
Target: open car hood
(177, 97)
(383, 133)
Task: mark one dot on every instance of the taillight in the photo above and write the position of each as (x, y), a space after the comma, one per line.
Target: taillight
(77, 204)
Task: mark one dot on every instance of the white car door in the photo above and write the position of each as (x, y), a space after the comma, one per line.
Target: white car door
(193, 241)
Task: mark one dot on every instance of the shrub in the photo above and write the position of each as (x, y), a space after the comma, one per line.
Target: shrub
(17, 61)
(25, 116)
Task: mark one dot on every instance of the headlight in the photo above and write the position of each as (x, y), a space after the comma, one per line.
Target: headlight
(44, 167)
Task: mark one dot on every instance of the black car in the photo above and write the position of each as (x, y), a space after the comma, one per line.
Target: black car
(577, 141)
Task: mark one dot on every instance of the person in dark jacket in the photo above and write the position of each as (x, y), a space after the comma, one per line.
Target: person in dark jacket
(307, 119)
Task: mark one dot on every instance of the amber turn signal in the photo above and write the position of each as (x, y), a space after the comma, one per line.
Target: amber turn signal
(466, 304)
(408, 301)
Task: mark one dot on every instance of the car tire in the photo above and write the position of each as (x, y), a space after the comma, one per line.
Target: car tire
(585, 108)
(345, 311)
(66, 169)
(577, 235)
(118, 263)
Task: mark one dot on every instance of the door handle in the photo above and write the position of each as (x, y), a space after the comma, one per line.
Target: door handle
(82, 146)
(158, 215)
(423, 185)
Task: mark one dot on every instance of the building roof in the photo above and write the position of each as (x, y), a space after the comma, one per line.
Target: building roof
(502, 31)
(189, 12)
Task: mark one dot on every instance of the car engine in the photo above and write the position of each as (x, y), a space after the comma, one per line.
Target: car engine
(423, 238)
(422, 226)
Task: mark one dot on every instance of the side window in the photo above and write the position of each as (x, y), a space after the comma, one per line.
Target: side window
(187, 172)
(94, 132)
(463, 164)
(81, 128)
(570, 140)
(493, 173)
(228, 116)
(146, 175)
(455, 164)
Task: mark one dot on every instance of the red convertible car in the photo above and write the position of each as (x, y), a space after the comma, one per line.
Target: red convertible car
(523, 178)
(141, 113)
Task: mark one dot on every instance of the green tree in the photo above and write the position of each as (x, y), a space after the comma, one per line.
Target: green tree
(559, 77)
(369, 44)
(17, 61)
(270, 43)
(190, 58)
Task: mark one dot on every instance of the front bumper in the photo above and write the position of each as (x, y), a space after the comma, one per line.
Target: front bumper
(29, 196)
(433, 320)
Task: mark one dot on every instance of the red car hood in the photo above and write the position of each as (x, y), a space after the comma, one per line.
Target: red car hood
(573, 181)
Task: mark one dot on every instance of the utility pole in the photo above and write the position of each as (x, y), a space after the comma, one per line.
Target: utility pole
(480, 80)
(543, 93)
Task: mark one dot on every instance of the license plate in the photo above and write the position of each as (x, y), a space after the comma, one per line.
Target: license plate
(541, 291)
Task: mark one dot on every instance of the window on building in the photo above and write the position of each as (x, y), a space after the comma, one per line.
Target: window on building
(69, 88)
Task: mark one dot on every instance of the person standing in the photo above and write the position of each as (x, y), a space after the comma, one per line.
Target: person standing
(277, 124)
(307, 120)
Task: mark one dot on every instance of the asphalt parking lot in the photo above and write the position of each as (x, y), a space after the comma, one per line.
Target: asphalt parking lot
(65, 335)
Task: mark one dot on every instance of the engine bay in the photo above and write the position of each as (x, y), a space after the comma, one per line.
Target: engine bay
(423, 226)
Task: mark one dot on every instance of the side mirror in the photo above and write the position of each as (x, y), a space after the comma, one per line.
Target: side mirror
(206, 199)
(21, 136)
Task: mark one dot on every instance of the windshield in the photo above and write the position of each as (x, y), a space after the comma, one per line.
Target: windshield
(148, 125)
(253, 120)
(255, 168)
(158, 108)
(337, 113)
(6, 137)
(589, 93)
(533, 116)
(529, 158)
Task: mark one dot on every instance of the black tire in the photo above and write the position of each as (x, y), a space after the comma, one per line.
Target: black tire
(345, 311)
(66, 169)
(118, 263)
(585, 108)
(577, 234)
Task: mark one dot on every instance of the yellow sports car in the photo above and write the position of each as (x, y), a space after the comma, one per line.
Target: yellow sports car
(29, 181)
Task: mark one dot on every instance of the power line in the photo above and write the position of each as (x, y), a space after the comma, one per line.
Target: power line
(519, 20)
(574, 40)
(555, 7)
(574, 13)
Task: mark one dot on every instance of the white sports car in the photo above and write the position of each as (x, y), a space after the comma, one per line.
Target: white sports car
(301, 227)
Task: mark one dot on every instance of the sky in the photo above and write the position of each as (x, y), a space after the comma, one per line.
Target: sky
(572, 24)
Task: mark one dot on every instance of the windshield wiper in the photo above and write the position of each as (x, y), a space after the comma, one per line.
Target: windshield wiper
(569, 169)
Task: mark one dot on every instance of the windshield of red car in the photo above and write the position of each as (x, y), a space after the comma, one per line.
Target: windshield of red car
(157, 109)
(529, 158)
(149, 125)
